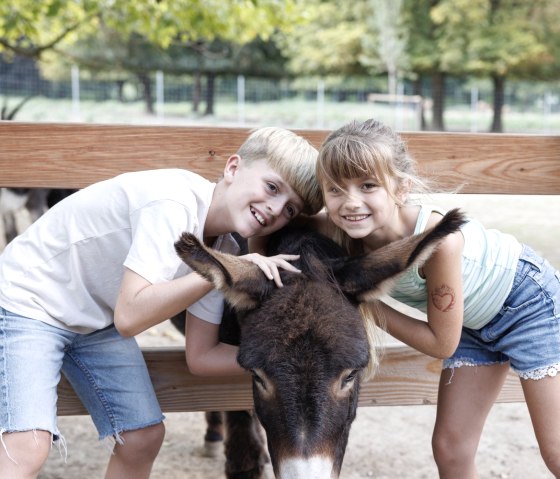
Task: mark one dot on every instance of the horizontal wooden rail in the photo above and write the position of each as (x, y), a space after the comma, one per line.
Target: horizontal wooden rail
(75, 155)
(406, 378)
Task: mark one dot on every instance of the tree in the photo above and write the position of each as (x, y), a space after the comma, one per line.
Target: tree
(29, 28)
(432, 54)
(328, 41)
(32, 28)
(499, 37)
(384, 45)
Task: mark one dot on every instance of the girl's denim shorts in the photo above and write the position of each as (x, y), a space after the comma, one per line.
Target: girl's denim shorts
(526, 332)
(107, 372)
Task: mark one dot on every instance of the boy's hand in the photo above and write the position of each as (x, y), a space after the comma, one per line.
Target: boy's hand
(270, 264)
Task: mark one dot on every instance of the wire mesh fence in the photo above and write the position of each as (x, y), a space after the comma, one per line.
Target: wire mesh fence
(156, 98)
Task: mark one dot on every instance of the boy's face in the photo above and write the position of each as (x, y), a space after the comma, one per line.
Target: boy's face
(259, 200)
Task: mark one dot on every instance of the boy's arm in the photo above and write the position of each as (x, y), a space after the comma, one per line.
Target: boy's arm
(206, 355)
(141, 304)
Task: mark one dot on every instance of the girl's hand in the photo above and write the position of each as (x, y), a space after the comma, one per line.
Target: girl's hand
(270, 264)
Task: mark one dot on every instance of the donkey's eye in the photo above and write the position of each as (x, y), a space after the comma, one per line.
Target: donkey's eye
(349, 379)
(258, 380)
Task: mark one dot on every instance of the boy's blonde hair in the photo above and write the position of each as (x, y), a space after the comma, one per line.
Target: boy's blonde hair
(290, 155)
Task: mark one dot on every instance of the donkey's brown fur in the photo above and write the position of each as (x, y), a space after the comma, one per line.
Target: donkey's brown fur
(305, 343)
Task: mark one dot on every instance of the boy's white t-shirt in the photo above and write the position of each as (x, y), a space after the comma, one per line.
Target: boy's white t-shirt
(67, 267)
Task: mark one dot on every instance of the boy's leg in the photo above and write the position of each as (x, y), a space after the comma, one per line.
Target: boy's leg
(31, 355)
(543, 397)
(135, 457)
(23, 453)
(110, 376)
(466, 395)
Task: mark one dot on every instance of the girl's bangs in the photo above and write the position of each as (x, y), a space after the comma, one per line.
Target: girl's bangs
(346, 162)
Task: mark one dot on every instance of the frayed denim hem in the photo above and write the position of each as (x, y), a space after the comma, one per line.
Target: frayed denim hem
(115, 437)
(460, 362)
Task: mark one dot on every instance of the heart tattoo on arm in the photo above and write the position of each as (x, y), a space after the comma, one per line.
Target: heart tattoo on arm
(443, 298)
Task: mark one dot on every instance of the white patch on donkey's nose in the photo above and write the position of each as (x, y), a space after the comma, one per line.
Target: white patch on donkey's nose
(317, 467)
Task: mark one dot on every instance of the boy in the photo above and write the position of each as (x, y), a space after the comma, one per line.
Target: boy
(100, 267)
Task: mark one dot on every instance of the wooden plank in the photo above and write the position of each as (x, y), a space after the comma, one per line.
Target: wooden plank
(406, 378)
(75, 155)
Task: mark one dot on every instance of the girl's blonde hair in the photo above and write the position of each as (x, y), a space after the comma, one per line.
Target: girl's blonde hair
(291, 156)
(360, 149)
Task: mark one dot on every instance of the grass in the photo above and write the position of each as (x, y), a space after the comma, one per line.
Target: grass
(292, 113)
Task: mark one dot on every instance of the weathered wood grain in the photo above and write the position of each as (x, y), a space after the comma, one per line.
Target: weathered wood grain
(75, 155)
(406, 378)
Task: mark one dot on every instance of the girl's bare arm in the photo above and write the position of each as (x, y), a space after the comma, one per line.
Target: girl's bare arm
(440, 334)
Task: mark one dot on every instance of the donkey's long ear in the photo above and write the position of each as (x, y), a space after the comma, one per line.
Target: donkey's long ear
(369, 276)
(243, 283)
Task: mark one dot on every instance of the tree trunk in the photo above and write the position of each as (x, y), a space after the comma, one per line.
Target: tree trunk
(438, 99)
(197, 92)
(120, 90)
(210, 80)
(417, 90)
(499, 86)
(147, 92)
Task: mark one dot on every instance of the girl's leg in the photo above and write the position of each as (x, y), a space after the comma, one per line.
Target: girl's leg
(543, 400)
(28, 451)
(466, 395)
(135, 456)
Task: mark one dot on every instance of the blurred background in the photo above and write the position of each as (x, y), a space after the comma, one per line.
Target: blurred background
(455, 65)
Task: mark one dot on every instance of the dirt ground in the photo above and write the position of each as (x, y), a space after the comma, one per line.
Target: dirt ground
(385, 442)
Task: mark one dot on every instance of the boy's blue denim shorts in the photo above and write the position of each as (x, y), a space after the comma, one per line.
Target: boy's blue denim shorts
(526, 332)
(107, 372)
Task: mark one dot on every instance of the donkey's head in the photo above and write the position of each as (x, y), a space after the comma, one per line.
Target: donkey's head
(305, 344)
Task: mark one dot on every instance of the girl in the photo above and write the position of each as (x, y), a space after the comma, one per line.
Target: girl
(491, 302)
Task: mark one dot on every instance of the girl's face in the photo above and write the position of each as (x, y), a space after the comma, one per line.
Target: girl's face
(361, 207)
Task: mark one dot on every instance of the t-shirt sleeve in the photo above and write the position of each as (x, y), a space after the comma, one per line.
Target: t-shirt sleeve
(154, 229)
(209, 308)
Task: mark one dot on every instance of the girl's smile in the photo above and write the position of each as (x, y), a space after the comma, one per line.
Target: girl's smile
(362, 208)
(355, 218)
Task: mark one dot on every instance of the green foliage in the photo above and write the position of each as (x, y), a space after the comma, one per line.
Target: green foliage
(384, 44)
(30, 27)
(328, 42)
(488, 38)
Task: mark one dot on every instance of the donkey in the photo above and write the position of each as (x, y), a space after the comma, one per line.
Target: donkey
(305, 344)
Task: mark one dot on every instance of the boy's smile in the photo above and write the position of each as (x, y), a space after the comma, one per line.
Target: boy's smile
(260, 218)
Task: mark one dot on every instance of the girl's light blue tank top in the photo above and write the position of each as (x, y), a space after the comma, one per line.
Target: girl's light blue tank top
(489, 263)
